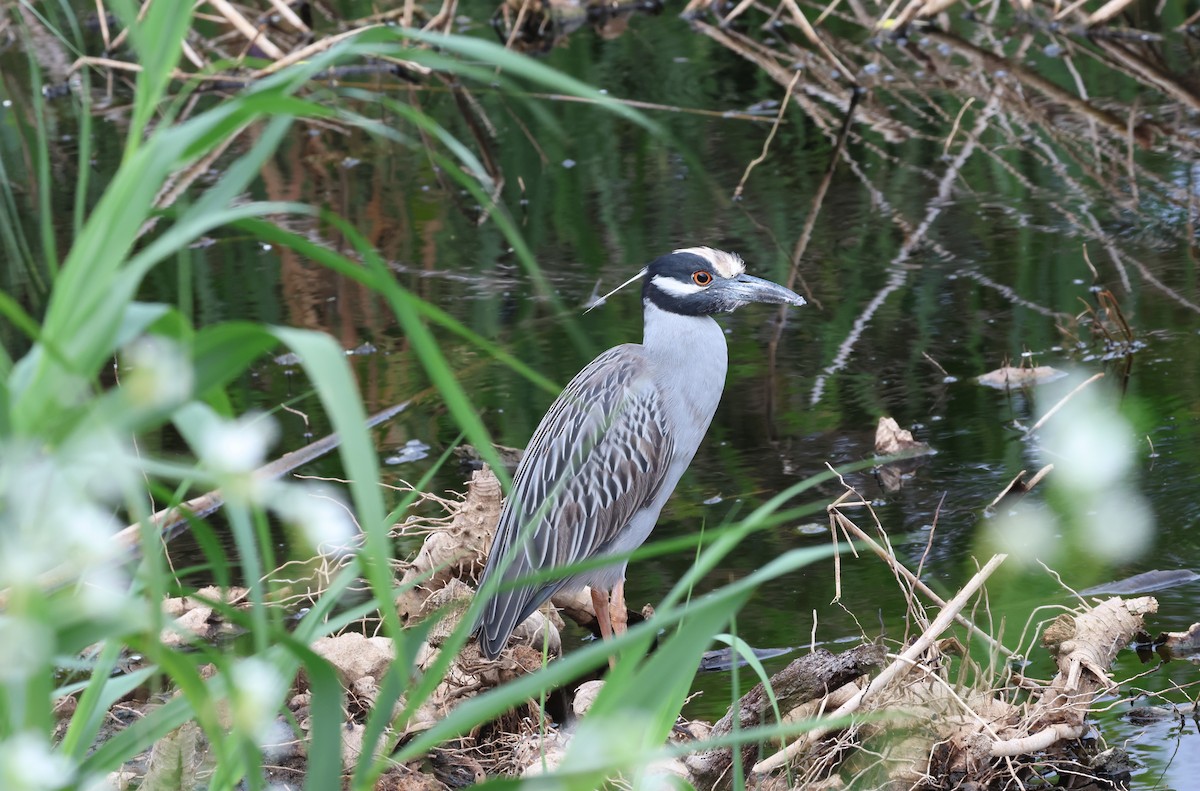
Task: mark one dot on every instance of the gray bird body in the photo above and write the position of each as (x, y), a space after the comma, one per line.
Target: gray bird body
(605, 459)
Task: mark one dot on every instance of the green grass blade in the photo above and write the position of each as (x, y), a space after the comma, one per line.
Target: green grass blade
(158, 38)
(331, 259)
(325, 734)
(99, 695)
(221, 353)
(515, 64)
(325, 363)
(139, 736)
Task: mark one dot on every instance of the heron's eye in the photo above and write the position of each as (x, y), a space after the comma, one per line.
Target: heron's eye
(701, 278)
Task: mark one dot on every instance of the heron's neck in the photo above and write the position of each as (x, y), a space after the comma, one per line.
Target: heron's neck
(694, 340)
(689, 358)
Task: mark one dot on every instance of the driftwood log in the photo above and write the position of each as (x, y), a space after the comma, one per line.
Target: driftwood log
(454, 548)
(805, 679)
(938, 729)
(1084, 646)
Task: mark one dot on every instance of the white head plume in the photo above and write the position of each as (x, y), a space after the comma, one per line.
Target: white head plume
(601, 300)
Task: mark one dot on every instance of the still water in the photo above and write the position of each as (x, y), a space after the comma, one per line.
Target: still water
(979, 209)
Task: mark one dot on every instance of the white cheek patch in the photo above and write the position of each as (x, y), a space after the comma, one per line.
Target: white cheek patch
(669, 285)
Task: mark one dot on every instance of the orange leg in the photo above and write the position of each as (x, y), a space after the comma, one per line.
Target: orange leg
(600, 604)
(603, 619)
(619, 613)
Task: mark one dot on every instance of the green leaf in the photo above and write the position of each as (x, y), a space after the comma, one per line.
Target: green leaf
(139, 736)
(223, 352)
(635, 711)
(325, 733)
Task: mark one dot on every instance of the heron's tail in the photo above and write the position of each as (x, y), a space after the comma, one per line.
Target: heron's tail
(504, 613)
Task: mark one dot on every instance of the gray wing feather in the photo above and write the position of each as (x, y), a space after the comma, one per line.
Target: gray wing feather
(599, 455)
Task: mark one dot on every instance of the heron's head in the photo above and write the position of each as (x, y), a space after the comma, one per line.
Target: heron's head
(698, 281)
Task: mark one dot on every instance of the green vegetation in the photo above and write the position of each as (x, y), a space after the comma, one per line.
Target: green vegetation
(74, 461)
(981, 207)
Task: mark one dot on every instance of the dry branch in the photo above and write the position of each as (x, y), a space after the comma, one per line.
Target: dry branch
(901, 571)
(170, 520)
(894, 671)
(1107, 12)
(1084, 646)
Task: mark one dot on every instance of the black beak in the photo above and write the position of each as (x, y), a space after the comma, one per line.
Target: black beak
(744, 289)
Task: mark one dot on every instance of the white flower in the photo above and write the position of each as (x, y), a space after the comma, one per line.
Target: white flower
(87, 538)
(48, 519)
(234, 447)
(1090, 443)
(319, 513)
(1121, 526)
(258, 690)
(28, 764)
(1093, 450)
(101, 464)
(1028, 534)
(279, 741)
(104, 594)
(160, 374)
(26, 647)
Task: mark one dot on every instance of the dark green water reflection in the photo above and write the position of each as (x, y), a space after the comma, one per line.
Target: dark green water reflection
(1010, 212)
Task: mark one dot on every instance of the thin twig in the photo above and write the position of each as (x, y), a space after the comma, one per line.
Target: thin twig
(320, 46)
(255, 35)
(1188, 22)
(193, 56)
(1088, 260)
(1106, 12)
(929, 540)
(102, 16)
(1037, 477)
(737, 11)
(829, 9)
(285, 11)
(1068, 9)
(898, 568)
(802, 23)
(954, 128)
(120, 39)
(758, 160)
(935, 364)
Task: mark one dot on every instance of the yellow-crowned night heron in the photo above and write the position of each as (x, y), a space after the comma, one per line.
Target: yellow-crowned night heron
(608, 454)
